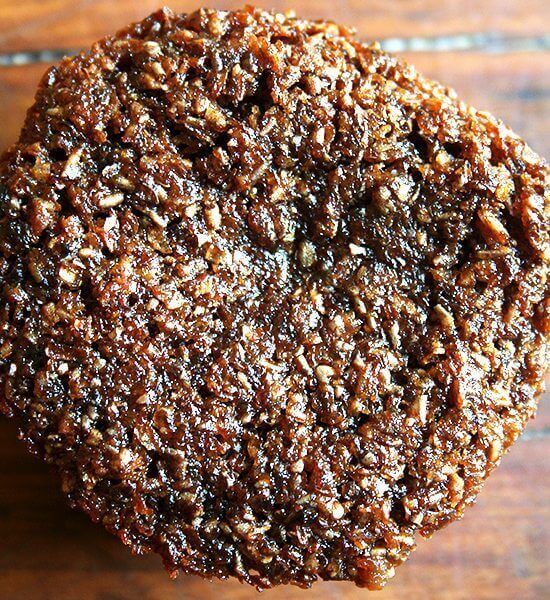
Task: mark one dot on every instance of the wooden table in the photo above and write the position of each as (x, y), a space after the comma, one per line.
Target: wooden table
(496, 53)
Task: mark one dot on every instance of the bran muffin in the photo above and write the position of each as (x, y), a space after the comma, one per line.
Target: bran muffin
(273, 303)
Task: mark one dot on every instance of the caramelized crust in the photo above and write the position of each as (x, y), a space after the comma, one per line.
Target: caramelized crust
(272, 302)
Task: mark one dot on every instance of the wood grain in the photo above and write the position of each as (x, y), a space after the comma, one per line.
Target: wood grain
(499, 550)
(514, 87)
(35, 24)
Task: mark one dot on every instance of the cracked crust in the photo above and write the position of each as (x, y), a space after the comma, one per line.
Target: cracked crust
(272, 302)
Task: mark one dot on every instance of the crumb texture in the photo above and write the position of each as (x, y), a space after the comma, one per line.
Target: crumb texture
(272, 302)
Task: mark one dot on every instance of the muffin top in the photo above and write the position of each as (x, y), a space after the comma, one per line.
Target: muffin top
(272, 302)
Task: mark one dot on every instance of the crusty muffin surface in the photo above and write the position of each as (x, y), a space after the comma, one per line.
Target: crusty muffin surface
(272, 302)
